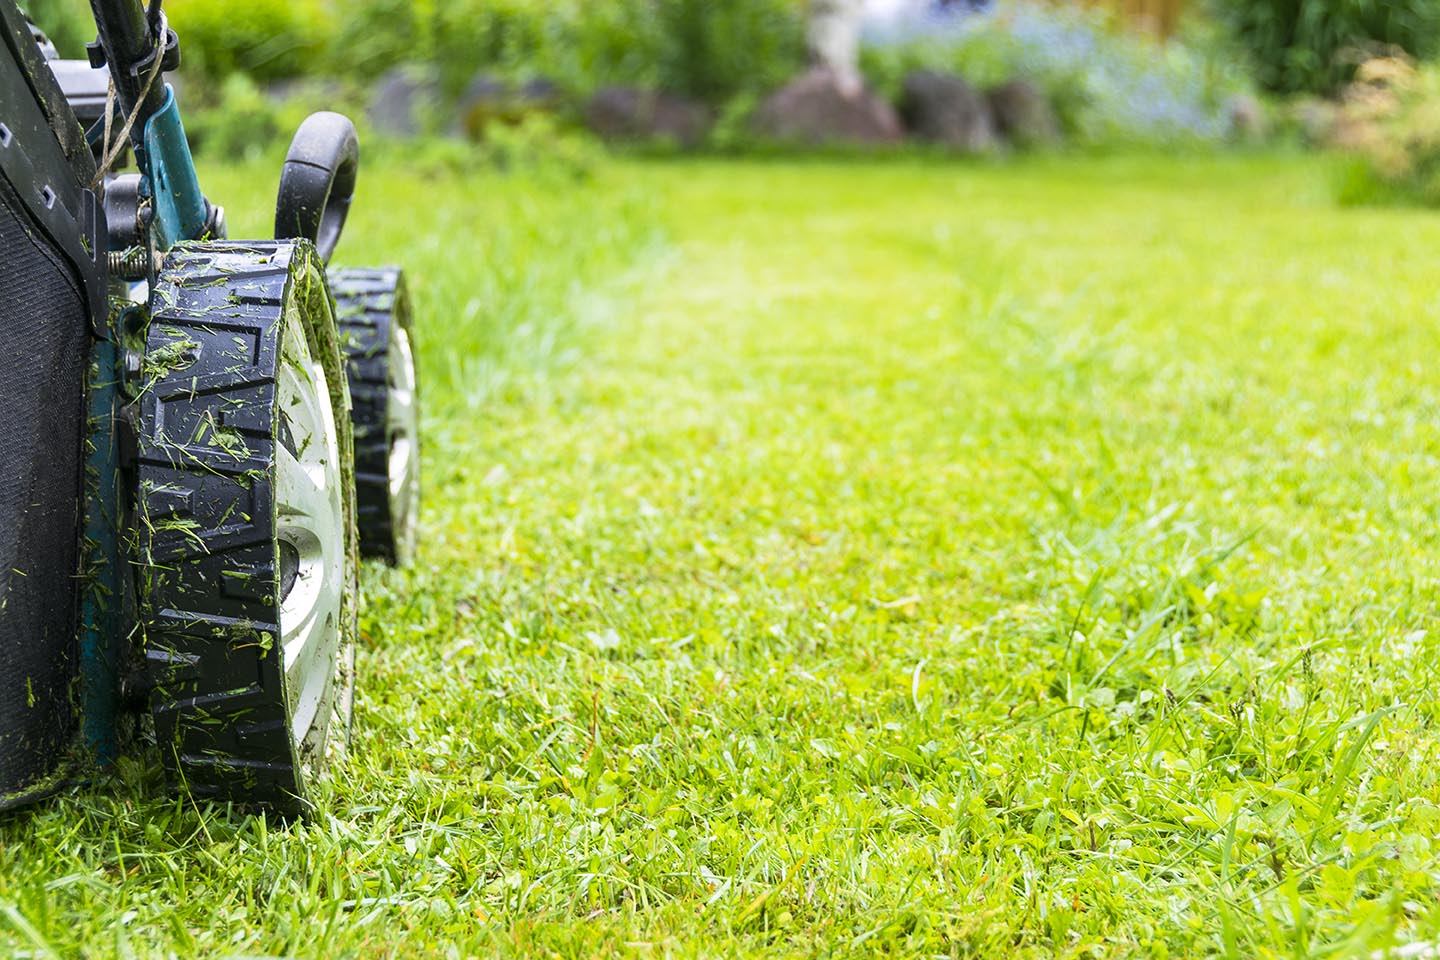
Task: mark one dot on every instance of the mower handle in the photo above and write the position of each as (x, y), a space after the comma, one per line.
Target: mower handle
(318, 181)
(130, 39)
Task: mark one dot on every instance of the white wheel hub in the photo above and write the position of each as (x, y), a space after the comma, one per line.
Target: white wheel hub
(402, 427)
(310, 508)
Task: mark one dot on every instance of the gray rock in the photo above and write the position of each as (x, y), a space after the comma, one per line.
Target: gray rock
(1023, 114)
(405, 102)
(629, 113)
(819, 108)
(539, 90)
(488, 99)
(942, 108)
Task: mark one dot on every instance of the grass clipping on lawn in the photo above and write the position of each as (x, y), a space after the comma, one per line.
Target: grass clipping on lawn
(902, 559)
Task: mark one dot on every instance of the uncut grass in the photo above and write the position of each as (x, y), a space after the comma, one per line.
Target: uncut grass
(898, 558)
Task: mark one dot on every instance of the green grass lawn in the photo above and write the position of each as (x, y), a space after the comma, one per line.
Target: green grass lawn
(860, 558)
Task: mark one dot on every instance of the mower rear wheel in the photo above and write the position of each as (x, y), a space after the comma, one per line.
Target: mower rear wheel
(373, 308)
(248, 543)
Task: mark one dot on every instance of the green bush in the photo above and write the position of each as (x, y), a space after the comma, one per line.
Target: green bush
(240, 125)
(716, 51)
(711, 51)
(266, 39)
(509, 37)
(375, 35)
(1315, 45)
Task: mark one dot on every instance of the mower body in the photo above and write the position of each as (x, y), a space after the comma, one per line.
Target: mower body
(61, 595)
(178, 537)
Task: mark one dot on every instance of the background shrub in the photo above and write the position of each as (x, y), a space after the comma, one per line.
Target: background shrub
(700, 48)
(513, 38)
(241, 124)
(266, 39)
(707, 50)
(1390, 124)
(1315, 45)
(716, 51)
(374, 35)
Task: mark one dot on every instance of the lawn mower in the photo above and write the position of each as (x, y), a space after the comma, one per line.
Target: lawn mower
(192, 426)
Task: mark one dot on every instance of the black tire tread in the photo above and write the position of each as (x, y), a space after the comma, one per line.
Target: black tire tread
(208, 587)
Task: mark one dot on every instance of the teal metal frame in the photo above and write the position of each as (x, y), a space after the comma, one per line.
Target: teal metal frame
(180, 208)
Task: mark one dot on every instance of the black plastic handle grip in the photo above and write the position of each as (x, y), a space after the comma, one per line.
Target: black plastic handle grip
(318, 181)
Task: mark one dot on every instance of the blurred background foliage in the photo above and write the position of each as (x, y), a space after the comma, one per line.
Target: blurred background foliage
(1294, 62)
(711, 51)
(701, 48)
(697, 47)
(1315, 46)
(1389, 124)
(67, 21)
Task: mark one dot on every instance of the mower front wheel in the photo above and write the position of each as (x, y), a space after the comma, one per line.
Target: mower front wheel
(247, 535)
